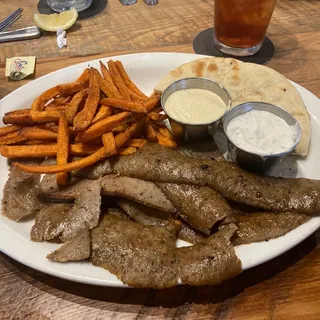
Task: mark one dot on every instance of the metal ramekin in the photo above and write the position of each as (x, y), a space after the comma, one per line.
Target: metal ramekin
(192, 132)
(253, 161)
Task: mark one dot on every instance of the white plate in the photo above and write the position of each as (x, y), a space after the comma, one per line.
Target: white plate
(145, 69)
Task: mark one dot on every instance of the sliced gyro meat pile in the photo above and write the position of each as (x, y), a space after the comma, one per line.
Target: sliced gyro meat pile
(157, 163)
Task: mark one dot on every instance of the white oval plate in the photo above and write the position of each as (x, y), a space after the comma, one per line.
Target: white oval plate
(146, 69)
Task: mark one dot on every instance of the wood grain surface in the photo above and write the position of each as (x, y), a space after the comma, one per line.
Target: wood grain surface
(287, 287)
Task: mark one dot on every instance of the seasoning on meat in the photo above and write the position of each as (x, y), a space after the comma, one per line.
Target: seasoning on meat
(200, 206)
(76, 249)
(143, 214)
(142, 256)
(86, 211)
(210, 262)
(262, 226)
(50, 221)
(20, 195)
(142, 191)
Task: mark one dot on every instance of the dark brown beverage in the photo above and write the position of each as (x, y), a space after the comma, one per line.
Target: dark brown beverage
(242, 23)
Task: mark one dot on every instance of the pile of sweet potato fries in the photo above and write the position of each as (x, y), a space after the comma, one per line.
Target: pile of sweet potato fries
(95, 117)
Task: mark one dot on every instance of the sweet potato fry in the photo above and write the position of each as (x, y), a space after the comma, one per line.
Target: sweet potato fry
(136, 98)
(157, 116)
(36, 151)
(81, 149)
(60, 90)
(84, 118)
(152, 103)
(124, 105)
(20, 111)
(129, 83)
(120, 128)
(84, 77)
(122, 137)
(166, 132)
(62, 149)
(177, 129)
(58, 101)
(37, 142)
(59, 107)
(103, 113)
(109, 143)
(74, 104)
(45, 150)
(113, 90)
(48, 126)
(45, 116)
(137, 143)
(75, 165)
(164, 141)
(127, 151)
(11, 138)
(34, 133)
(102, 126)
(18, 118)
(150, 132)
(116, 77)
(9, 129)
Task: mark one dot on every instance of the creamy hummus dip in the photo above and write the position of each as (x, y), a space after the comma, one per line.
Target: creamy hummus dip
(195, 106)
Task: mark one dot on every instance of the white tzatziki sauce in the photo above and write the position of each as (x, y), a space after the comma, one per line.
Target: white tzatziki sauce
(261, 132)
(195, 106)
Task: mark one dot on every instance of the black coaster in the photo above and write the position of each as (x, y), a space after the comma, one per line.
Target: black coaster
(96, 7)
(203, 44)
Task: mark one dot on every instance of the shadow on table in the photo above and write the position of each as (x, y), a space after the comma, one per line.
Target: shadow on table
(290, 54)
(169, 298)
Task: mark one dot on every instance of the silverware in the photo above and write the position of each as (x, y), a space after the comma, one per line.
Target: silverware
(20, 34)
(11, 19)
(151, 2)
(128, 2)
(252, 161)
(194, 132)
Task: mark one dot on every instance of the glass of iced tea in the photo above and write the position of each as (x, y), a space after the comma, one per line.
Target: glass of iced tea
(240, 25)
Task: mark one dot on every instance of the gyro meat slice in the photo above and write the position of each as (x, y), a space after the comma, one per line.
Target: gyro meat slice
(154, 217)
(211, 262)
(144, 214)
(76, 249)
(86, 211)
(142, 191)
(189, 234)
(142, 256)
(262, 226)
(200, 206)
(50, 221)
(20, 194)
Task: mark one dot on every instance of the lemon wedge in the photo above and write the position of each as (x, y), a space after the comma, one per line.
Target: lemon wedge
(53, 22)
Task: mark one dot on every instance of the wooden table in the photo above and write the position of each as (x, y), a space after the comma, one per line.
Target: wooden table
(287, 287)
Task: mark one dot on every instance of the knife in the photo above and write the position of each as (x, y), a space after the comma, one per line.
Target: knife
(20, 34)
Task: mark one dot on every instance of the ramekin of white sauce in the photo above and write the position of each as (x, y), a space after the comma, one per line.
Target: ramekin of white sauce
(260, 134)
(196, 106)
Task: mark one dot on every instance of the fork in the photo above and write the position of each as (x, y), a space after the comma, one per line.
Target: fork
(12, 18)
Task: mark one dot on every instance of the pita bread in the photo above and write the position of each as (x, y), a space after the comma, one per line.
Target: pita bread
(248, 82)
